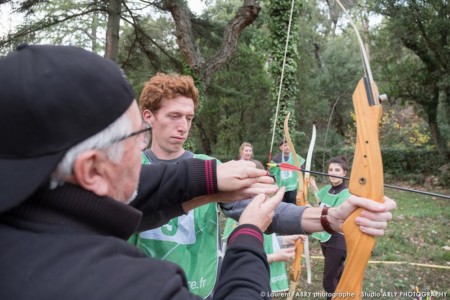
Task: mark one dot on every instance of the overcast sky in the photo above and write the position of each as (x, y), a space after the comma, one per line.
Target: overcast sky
(9, 21)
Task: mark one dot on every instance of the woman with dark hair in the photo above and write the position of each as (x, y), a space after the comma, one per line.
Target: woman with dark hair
(333, 245)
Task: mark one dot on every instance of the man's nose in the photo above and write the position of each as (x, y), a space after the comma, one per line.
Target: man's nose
(183, 125)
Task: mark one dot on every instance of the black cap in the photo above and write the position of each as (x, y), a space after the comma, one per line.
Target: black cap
(52, 98)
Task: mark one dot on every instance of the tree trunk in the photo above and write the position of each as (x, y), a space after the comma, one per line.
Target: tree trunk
(205, 70)
(438, 139)
(245, 16)
(186, 40)
(112, 30)
(94, 26)
(204, 139)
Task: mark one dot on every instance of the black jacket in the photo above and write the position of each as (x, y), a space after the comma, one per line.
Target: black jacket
(69, 243)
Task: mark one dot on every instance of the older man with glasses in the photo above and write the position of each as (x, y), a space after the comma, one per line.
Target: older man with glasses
(70, 161)
(69, 165)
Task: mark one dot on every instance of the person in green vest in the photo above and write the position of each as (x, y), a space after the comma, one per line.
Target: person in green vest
(279, 250)
(288, 179)
(168, 103)
(333, 245)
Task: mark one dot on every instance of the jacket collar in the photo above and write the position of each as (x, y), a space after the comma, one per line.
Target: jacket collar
(69, 208)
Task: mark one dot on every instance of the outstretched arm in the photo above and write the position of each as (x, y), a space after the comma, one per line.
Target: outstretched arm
(373, 220)
(292, 219)
(163, 188)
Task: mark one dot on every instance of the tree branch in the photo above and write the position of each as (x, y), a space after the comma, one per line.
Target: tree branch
(245, 16)
(181, 14)
(184, 35)
(48, 22)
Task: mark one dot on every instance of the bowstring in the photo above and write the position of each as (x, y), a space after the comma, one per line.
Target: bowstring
(281, 81)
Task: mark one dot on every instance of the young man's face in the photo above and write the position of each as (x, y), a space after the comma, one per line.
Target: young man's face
(285, 149)
(171, 125)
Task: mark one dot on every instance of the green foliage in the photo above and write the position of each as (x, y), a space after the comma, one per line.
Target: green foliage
(323, 66)
(413, 165)
(413, 49)
(280, 23)
(400, 127)
(142, 57)
(237, 102)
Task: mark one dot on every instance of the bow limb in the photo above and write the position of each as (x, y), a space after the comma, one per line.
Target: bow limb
(308, 163)
(300, 201)
(366, 179)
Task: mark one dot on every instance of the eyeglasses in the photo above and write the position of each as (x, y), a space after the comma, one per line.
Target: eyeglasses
(145, 135)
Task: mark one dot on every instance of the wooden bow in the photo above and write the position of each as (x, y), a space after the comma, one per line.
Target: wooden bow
(300, 246)
(306, 177)
(366, 179)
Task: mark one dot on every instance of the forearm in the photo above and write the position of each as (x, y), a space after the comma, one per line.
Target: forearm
(271, 258)
(199, 201)
(286, 221)
(311, 220)
(164, 187)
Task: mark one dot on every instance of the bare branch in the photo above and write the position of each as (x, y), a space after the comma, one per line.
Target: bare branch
(245, 16)
(141, 35)
(43, 24)
(182, 16)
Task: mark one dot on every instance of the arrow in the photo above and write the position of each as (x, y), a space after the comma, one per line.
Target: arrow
(289, 167)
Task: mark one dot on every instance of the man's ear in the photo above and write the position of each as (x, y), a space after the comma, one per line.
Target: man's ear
(147, 115)
(89, 172)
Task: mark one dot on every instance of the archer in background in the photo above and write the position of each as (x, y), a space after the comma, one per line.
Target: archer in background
(168, 103)
(286, 178)
(333, 245)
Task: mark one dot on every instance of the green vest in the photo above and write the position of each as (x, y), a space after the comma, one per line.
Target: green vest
(190, 240)
(278, 276)
(288, 179)
(330, 200)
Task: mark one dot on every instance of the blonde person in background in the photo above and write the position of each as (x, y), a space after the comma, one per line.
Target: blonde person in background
(246, 153)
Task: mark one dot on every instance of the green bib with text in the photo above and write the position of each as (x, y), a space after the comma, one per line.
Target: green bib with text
(286, 178)
(191, 241)
(278, 276)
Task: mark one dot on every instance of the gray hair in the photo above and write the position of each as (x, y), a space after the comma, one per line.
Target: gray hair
(102, 140)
